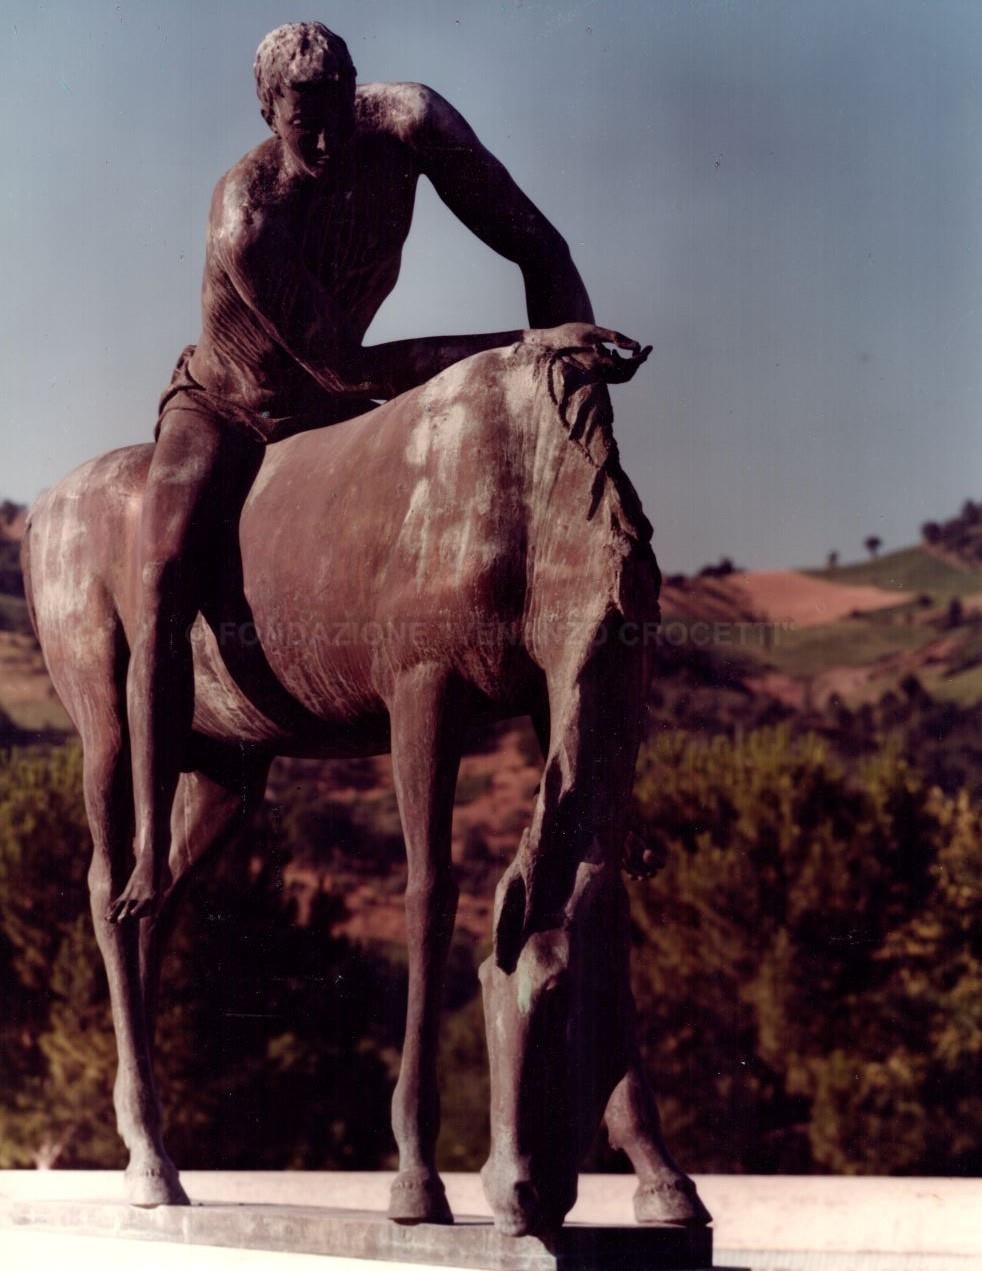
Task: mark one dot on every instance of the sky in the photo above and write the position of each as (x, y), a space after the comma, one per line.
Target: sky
(784, 197)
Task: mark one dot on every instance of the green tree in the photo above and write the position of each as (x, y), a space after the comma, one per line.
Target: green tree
(276, 1039)
(44, 852)
(780, 1018)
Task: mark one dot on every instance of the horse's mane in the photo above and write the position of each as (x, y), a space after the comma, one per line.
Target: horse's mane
(582, 400)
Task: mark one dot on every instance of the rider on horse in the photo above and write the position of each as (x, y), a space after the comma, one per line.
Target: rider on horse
(305, 237)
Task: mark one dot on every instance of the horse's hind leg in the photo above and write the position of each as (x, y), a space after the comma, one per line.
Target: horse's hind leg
(95, 702)
(425, 758)
(210, 805)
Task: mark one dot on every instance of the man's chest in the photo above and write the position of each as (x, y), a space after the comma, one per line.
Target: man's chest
(357, 226)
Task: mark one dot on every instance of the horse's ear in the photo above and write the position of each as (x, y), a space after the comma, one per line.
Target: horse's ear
(509, 927)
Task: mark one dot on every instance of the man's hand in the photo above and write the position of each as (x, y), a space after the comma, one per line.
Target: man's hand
(609, 354)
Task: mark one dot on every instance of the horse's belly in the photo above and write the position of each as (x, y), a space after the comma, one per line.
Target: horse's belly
(340, 661)
(222, 709)
(241, 696)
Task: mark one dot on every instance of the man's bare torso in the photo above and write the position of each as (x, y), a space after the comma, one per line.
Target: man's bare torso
(346, 230)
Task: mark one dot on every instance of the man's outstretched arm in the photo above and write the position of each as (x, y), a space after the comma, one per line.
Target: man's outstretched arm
(481, 194)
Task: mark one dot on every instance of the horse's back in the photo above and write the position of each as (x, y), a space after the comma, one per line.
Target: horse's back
(409, 519)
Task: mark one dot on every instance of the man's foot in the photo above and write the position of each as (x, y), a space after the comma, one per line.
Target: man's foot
(138, 899)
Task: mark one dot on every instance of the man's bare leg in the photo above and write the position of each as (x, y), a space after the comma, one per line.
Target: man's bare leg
(200, 471)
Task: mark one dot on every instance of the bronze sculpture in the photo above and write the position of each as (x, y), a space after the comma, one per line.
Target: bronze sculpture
(469, 548)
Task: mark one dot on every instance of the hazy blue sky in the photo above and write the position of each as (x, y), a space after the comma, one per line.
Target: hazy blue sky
(784, 196)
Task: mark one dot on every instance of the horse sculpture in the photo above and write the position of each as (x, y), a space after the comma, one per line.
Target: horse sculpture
(469, 549)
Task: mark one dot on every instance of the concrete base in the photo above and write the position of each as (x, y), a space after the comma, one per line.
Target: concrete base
(471, 1242)
(816, 1223)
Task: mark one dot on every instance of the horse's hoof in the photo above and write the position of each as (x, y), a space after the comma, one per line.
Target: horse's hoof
(417, 1196)
(523, 1214)
(513, 1222)
(673, 1200)
(151, 1185)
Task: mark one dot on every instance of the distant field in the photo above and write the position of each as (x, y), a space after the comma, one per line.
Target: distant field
(46, 717)
(854, 642)
(964, 689)
(912, 569)
(26, 695)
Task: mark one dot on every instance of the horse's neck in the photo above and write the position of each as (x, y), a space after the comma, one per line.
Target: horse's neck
(579, 540)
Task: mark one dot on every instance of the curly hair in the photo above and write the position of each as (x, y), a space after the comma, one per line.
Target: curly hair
(296, 53)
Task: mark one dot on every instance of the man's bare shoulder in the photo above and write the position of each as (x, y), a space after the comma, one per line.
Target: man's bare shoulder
(249, 192)
(407, 111)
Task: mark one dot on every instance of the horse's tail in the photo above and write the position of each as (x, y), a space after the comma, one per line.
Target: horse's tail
(25, 566)
(69, 535)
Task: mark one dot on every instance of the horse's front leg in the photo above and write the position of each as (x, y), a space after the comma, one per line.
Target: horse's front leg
(664, 1192)
(425, 757)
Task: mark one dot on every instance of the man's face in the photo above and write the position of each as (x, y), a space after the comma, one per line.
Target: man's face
(315, 120)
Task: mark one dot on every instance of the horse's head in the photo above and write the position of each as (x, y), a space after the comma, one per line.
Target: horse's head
(552, 1002)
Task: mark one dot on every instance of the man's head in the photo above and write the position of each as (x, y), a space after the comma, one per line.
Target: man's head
(306, 84)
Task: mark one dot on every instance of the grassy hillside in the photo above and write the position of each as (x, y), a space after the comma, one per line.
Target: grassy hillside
(933, 636)
(913, 569)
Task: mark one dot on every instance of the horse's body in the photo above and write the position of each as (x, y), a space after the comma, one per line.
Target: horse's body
(470, 548)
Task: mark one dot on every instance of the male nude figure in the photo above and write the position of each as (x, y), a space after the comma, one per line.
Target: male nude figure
(305, 237)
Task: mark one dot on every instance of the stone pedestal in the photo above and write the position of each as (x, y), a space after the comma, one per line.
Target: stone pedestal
(471, 1242)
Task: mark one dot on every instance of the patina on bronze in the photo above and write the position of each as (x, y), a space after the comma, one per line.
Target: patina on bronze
(469, 549)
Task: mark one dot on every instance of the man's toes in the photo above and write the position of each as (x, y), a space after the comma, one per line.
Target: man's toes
(127, 908)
